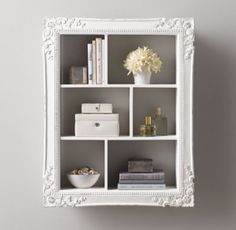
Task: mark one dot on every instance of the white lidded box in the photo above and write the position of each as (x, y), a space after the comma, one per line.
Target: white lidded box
(96, 108)
(97, 125)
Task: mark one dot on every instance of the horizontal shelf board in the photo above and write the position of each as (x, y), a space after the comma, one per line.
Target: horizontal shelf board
(74, 191)
(167, 189)
(85, 190)
(113, 33)
(129, 138)
(69, 86)
(167, 137)
(93, 138)
(156, 86)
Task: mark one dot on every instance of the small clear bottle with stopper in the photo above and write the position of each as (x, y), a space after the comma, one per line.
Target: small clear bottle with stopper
(160, 122)
(148, 129)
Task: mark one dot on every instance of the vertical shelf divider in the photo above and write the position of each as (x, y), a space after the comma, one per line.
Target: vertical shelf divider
(179, 105)
(106, 164)
(131, 112)
(106, 58)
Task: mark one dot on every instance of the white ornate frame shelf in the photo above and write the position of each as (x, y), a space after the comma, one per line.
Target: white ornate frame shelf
(180, 196)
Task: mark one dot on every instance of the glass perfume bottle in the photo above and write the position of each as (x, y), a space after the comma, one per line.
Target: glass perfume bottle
(160, 122)
(148, 129)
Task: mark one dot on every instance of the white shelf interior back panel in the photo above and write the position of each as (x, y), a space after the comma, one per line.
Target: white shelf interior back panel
(71, 100)
(77, 154)
(120, 45)
(161, 152)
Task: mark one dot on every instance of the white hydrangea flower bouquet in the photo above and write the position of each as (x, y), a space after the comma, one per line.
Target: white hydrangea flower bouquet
(142, 62)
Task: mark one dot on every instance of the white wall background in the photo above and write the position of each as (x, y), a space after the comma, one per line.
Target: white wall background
(21, 118)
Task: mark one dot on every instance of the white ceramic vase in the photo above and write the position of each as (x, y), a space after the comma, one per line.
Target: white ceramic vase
(142, 78)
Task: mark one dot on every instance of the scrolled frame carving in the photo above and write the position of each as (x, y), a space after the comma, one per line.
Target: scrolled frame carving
(185, 24)
(52, 25)
(185, 198)
(52, 198)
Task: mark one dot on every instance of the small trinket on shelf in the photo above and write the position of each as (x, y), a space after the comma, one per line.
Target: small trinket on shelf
(78, 75)
(160, 122)
(148, 129)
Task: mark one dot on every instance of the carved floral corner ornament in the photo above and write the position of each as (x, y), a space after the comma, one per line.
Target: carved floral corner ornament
(185, 199)
(185, 24)
(51, 25)
(51, 198)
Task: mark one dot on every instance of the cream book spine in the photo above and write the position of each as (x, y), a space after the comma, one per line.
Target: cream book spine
(94, 62)
(103, 62)
(90, 64)
(99, 60)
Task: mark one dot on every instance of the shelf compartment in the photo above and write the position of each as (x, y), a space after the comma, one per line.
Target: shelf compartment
(147, 100)
(119, 47)
(79, 154)
(73, 52)
(71, 100)
(161, 152)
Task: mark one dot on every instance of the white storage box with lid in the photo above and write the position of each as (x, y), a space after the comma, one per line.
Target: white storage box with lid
(96, 108)
(96, 125)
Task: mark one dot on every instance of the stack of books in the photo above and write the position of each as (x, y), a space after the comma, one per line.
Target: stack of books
(96, 62)
(141, 176)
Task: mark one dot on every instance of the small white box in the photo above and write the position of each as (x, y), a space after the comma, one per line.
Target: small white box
(96, 108)
(97, 125)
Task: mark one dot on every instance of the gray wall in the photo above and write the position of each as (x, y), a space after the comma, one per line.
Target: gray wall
(21, 118)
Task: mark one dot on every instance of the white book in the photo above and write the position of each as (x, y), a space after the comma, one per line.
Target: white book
(99, 60)
(103, 62)
(90, 64)
(141, 186)
(94, 62)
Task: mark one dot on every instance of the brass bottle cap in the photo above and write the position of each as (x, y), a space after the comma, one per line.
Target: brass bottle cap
(148, 120)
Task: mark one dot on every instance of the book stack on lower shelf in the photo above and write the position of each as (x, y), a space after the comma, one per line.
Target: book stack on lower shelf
(141, 176)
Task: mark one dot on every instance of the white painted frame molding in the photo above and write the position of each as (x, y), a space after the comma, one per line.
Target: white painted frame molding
(183, 194)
